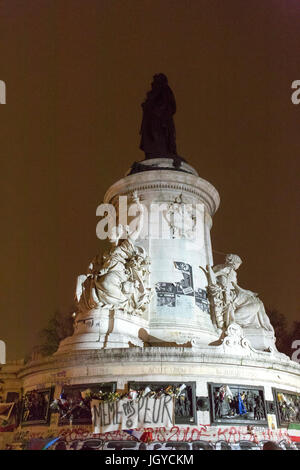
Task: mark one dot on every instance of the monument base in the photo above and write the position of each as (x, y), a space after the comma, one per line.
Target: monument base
(105, 329)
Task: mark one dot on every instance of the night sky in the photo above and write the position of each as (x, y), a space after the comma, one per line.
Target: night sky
(76, 74)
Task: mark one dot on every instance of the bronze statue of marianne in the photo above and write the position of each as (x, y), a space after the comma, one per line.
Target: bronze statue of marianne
(158, 139)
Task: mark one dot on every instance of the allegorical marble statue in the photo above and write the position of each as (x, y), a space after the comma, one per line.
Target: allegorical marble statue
(158, 139)
(119, 279)
(232, 304)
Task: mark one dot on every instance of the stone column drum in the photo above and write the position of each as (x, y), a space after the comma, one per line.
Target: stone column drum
(179, 310)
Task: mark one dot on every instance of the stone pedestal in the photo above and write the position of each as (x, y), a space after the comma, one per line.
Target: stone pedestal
(105, 329)
(260, 339)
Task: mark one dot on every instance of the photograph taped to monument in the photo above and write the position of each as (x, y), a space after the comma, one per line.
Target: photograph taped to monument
(166, 294)
(237, 404)
(202, 300)
(176, 299)
(186, 286)
(287, 407)
(36, 407)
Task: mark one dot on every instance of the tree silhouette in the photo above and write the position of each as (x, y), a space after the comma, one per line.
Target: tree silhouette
(285, 334)
(60, 326)
(282, 333)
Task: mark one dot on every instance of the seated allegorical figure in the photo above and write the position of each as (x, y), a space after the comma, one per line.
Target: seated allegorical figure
(119, 279)
(232, 303)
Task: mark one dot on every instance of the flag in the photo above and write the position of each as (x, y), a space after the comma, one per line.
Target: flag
(294, 432)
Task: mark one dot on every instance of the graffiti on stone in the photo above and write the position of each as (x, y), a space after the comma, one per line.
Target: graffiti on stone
(183, 437)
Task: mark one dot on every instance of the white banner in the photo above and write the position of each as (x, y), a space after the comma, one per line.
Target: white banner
(132, 414)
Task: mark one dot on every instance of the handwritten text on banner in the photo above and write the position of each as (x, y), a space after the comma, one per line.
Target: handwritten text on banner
(132, 414)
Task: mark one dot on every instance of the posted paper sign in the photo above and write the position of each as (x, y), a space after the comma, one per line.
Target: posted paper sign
(131, 414)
